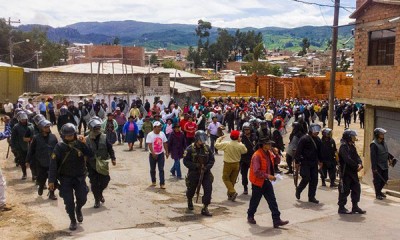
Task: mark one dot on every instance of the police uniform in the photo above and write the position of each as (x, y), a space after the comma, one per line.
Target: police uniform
(39, 155)
(328, 158)
(69, 167)
(98, 165)
(19, 146)
(379, 161)
(349, 161)
(308, 155)
(191, 160)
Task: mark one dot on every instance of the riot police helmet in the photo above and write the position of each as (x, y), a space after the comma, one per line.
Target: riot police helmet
(68, 129)
(201, 136)
(315, 128)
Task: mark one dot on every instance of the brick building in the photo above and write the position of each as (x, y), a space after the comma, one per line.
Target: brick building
(377, 72)
(86, 53)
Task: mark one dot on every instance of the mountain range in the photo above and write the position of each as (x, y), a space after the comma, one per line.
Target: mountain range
(175, 36)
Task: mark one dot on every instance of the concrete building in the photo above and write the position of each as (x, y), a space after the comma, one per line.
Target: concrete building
(377, 72)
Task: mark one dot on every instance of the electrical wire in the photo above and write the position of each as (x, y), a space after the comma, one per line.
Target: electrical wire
(322, 5)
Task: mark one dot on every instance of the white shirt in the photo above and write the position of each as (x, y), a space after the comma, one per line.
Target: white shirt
(157, 140)
(8, 107)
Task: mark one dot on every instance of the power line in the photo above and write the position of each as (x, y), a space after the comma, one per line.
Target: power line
(322, 5)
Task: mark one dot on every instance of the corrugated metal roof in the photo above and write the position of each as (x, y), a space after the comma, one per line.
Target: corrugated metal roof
(182, 88)
(107, 68)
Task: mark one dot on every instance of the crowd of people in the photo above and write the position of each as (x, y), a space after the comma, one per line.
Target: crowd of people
(256, 127)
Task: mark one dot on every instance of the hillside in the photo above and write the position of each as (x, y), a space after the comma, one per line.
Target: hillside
(173, 36)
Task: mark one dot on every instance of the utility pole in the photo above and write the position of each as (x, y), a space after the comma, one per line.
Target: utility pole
(10, 43)
(333, 65)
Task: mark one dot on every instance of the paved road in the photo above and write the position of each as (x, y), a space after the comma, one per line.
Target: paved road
(134, 210)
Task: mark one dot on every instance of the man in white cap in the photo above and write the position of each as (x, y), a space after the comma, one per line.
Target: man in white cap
(158, 147)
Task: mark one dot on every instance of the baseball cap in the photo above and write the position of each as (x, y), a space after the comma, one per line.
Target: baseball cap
(235, 134)
(156, 124)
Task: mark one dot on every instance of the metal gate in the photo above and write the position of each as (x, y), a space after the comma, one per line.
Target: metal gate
(390, 120)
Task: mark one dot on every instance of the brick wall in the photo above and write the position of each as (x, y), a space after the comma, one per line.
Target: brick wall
(366, 88)
(76, 83)
(129, 55)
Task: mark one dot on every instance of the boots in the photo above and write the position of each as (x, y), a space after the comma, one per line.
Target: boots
(79, 214)
(190, 204)
(343, 210)
(298, 193)
(40, 190)
(357, 209)
(73, 225)
(96, 203)
(246, 191)
(323, 183)
(333, 184)
(52, 196)
(205, 211)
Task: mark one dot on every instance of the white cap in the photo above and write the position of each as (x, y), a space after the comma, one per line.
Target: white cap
(156, 124)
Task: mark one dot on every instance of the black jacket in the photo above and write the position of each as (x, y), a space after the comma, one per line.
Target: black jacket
(349, 159)
(308, 153)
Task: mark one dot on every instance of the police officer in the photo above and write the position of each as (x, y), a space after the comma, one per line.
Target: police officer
(20, 143)
(308, 157)
(263, 131)
(67, 165)
(39, 153)
(98, 166)
(197, 158)
(248, 140)
(350, 165)
(328, 158)
(379, 161)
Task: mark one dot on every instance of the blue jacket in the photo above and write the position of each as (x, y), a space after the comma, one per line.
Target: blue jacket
(126, 126)
(6, 133)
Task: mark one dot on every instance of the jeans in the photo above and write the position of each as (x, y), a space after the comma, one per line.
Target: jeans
(213, 138)
(159, 161)
(176, 167)
(267, 191)
(2, 189)
(119, 133)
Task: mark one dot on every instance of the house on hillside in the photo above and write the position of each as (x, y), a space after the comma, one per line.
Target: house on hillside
(377, 72)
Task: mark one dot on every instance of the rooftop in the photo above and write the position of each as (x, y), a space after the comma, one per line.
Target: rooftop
(182, 88)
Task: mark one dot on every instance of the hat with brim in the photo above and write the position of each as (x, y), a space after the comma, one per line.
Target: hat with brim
(264, 141)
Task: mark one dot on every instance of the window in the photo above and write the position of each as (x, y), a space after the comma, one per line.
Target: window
(160, 81)
(381, 47)
(147, 81)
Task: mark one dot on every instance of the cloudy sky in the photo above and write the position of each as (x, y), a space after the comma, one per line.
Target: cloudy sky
(221, 13)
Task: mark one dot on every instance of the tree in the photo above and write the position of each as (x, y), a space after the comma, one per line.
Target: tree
(259, 51)
(116, 41)
(305, 44)
(153, 58)
(170, 64)
(261, 68)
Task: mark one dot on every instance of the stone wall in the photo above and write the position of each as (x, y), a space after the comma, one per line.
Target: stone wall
(78, 83)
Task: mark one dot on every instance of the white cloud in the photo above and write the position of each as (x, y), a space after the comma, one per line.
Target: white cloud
(223, 13)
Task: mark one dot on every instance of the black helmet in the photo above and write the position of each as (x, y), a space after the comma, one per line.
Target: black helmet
(378, 131)
(327, 132)
(38, 118)
(348, 133)
(68, 129)
(315, 128)
(278, 123)
(43, 123)
(201, 136)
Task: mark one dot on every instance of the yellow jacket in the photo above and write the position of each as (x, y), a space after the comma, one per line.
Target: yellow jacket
(232, 150)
